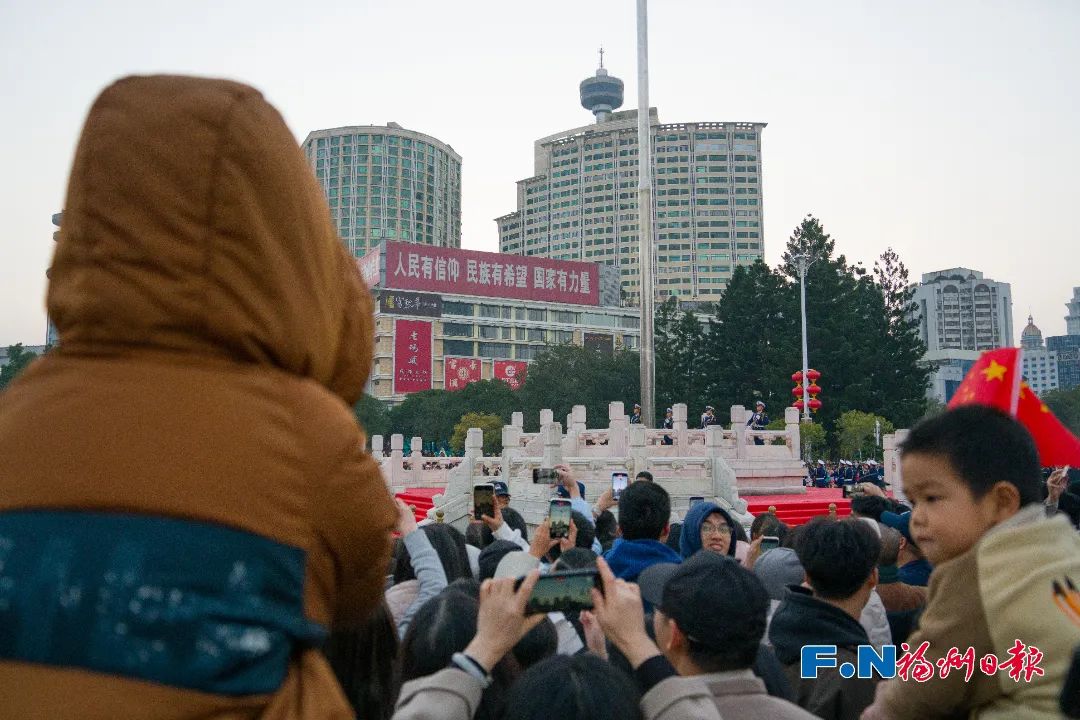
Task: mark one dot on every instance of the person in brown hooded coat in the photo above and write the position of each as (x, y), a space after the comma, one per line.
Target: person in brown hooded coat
(186, 505)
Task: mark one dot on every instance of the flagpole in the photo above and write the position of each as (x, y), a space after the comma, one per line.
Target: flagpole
(645, 222)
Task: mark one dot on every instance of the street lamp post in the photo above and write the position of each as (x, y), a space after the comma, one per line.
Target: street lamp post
(645, 221)
(804, 262)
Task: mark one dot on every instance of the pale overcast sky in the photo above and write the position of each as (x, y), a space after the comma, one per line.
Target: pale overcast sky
(948, 130)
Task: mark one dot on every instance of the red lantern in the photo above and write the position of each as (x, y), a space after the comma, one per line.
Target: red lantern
(815, 405)
(813, 390)
(813, 375)
(797, 391)
(797, 377)
(798, 405)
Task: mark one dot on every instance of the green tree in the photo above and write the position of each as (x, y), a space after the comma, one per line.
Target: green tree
(492, 426)
(814, 441)
(568, 375)
(19, 358)
(432, 414)
(855, 434)
(372, 414)
(1065, 404)
(681, 374)
(752, 346)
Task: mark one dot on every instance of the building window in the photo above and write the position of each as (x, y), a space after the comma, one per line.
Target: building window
(495, 350)
(457, 329)
(458, 347)
(489, 332)
(457, 308)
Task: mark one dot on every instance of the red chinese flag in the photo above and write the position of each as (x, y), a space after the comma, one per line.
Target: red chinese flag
(1057, 446)
(995, 380)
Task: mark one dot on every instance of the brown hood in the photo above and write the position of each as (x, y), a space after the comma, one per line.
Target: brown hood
(193, 224)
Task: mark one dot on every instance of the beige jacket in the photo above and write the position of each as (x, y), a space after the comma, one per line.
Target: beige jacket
(452, 694)
(741, 694)
(998, 592)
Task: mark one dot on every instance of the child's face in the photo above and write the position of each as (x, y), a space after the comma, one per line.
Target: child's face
(946, 519)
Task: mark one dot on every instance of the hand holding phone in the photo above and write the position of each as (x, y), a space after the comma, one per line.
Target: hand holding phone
(564, 591)
(545, 476)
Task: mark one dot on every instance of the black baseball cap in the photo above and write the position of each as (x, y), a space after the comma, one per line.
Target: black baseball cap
(712, 598)
(501, 488)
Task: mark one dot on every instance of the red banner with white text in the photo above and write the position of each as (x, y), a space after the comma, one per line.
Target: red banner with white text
(460, 371)
(512, 372)
(412, 356)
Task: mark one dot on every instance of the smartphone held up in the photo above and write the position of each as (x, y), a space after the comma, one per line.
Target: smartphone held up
(567, 591)
(559, 518)
(483, 500)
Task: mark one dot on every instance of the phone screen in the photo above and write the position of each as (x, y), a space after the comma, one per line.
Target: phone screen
(569, 591)
(545, 476)
(695, 499)
(483, 500)
(769, 542)
(619, 481)
(559, 515)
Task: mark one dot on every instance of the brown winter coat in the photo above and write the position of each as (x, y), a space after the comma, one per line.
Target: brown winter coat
(213, 335)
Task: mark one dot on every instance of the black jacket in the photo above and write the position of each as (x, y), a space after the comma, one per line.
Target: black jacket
(801, 620)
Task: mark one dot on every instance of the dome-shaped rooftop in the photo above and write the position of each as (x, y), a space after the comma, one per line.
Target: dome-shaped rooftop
(1031, 337)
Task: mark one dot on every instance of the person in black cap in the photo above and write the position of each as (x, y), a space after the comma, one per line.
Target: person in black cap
(758, 421)
(709, 417)
(502, 493)
(709, 620)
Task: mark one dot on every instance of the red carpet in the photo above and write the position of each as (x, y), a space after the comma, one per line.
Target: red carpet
(792, 509)
(797, 509)
(420, 498)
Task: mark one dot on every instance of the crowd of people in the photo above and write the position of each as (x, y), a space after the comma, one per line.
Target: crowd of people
(190, 525)
(844, 473)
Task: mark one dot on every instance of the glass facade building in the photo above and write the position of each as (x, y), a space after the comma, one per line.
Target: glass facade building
(388, 183)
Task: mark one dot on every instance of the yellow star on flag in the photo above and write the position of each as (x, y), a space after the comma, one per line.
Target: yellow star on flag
(1044, 408)
(994, 371)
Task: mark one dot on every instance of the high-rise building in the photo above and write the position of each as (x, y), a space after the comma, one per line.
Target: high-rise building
(1072, 320)
(581, 202)
(388, 183)
(52, 337)
(960, 314)
(1040, 366)
(1067, 346)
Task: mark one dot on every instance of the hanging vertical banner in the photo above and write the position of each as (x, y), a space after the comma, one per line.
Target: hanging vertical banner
(460, 371)
(412, 356)
(512, 372)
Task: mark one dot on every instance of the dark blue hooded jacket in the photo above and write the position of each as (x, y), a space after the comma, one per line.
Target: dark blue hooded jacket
(690, 537)
(628, 558)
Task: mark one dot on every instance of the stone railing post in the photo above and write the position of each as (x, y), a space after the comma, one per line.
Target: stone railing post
(511, 444)
(618, 424)
(474, 450)
(891, 461)
(377, 447)
(546, 418)
(517, 420)
(738, 424)
(794, 434)
(678, 417)
(577, 416)
(552, 434)
(723, 478)
(416, 459)
(397, 457)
